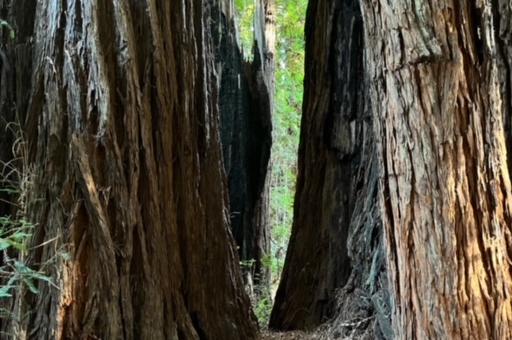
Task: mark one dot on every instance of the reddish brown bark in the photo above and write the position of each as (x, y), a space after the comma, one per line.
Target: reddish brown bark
(445, 186)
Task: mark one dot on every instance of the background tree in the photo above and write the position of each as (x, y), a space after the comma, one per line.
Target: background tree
(289, 56)
(246, 103)
(336, 215)
(264, 79)
(119, 101)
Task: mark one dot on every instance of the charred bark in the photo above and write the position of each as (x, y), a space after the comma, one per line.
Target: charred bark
(246, 91)
(502, 17)
(122, 116)
(263, 83)
(336, 233)
(436, 84)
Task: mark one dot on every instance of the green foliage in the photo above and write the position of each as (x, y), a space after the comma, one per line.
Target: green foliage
(247, 264)
(286, 123)
(286, 127)
(287, 114)
(15, 229)
(262, 310)
(15, 233)
(12, 33)
(261, 299)
(244, 17)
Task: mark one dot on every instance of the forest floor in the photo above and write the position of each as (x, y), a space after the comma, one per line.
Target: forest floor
(327, 331)
(360, 328)
(324, 332)
(316, 335)
(295, 335)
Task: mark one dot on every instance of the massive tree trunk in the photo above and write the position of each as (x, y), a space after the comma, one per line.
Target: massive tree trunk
(121, 113)
(246, 92)
(439, 83)
(438, 89)
(336, 219)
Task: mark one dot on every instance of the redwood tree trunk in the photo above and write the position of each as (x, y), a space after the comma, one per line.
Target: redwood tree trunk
(440, 99)
(336, 190)
(265, 28)
(122, 118)
(437, 87)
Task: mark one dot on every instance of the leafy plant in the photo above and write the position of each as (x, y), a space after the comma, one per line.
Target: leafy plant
(262, 309)
(15, 229)
(14, 235)
(12, 33)
(244, 18)
(286, 124)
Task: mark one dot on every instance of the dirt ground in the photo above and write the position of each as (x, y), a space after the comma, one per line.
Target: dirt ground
(321, 333)
(328, 331)
(297, 335)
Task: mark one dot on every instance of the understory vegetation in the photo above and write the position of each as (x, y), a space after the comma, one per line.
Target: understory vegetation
(16, 230)
(286, 127)
(16, 178)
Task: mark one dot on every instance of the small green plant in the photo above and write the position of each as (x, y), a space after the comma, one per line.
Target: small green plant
(12, 33)
(14, 235)
(15, 229)
(262, 308)
(261, 299)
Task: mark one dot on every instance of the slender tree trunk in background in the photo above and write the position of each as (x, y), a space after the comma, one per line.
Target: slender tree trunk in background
(246, 92)
(121, 114)
(438, 90)
(265, 34)
(503, 16)
(336, 198)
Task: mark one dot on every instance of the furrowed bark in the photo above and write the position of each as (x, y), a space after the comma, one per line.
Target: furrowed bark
(446, 199)
(334, 260)
(122, 118)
